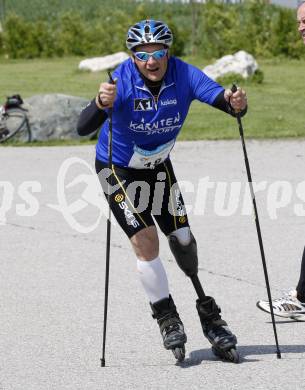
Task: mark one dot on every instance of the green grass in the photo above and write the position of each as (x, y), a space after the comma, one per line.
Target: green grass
(52, 142)
(42, 76)
(276, 107)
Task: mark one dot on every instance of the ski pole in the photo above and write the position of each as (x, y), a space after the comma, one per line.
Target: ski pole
(108, 231)
(258, 229)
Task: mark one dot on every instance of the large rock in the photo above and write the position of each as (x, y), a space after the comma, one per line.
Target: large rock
(102, 63)
(54, 116)
(241, 63)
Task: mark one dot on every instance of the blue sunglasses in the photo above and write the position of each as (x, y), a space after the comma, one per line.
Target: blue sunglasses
(144, 56)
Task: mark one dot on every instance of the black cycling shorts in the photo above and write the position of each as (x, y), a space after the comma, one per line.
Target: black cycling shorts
(139, 195)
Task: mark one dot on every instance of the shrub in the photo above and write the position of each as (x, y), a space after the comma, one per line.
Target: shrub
(234, 78)
(180, 37)
(1, 44)
(16, 37)
(23, 39)
(259, 28)
(217, 30)
(70, 35)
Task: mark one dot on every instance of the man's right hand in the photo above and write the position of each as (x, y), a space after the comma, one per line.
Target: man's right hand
(106, 95)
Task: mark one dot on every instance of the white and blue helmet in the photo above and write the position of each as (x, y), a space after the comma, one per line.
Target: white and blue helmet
(149, 31)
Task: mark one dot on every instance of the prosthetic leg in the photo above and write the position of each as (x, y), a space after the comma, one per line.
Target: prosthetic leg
(214, 327)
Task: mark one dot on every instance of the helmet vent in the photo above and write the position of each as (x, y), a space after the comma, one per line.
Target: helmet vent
(158, 30)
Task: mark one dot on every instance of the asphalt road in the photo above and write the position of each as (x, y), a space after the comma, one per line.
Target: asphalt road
(52, 251)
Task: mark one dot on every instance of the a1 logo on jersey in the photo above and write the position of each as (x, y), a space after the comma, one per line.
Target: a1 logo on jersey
(143, 104)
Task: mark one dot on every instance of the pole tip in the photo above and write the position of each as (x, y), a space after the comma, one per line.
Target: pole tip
(102, 362)
(279, 355)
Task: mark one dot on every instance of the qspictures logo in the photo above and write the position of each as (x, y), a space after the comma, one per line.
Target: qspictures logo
(78, 191)
(90, 195)
(79, 200)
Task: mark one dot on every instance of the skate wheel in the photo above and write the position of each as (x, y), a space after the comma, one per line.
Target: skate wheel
(231, 355)
(179, 353)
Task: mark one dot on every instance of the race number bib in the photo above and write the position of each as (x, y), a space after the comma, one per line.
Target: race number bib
(148, 159)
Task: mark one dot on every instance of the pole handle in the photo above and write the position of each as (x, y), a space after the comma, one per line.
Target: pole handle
(110, 77)
(237, 113)
(234, 88)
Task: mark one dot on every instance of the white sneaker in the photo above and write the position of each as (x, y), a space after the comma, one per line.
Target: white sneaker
(288, 306)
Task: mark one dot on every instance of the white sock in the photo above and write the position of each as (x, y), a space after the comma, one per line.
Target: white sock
(154, 279)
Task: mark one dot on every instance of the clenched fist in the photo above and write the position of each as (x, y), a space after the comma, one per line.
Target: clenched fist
(238, 99)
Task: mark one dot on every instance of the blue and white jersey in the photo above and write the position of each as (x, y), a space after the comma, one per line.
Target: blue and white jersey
(145, 130)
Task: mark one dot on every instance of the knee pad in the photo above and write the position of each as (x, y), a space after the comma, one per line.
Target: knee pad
(185, 255)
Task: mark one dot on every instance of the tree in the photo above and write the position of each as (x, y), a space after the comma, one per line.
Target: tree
(2, 12)
(194, 13)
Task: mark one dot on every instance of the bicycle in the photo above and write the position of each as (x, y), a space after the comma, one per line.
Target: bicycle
(14, 122)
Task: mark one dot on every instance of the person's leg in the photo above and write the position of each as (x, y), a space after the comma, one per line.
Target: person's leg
(154, 281)
(138, 225)
(301, 284)
(173, 222)
(140, 229)
(214, 328)
(292, 303)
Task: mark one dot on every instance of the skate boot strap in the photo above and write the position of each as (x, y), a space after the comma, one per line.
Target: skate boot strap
(209, 311)
(163, 308)
(164, 316)
(170, 323)
(213, 324)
